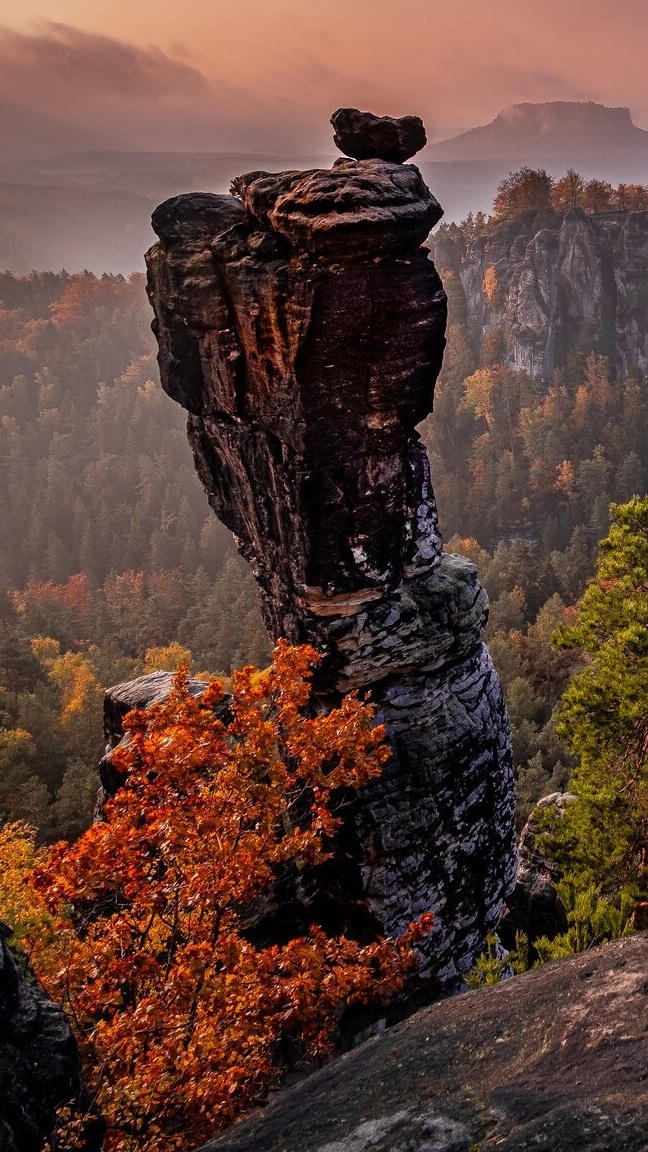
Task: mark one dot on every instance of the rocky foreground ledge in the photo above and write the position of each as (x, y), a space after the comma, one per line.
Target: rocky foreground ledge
(553, 1061)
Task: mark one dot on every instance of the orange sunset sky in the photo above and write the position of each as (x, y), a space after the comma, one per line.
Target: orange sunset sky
(240, 74)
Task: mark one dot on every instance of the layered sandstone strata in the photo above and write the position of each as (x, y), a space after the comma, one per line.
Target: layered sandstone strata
(559, 283)
(300, 322)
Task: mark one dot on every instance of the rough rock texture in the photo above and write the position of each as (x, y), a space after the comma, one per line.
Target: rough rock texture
(533, 906)
(301, 325)
(118, 701)
(553, 1061)
(365, 136)
(562, 282)
(39, 1064)
(354, 207)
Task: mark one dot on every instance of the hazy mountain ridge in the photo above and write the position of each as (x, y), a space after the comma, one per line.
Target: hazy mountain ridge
(52, 227)
(151, 172)
(91, 209)
(562, 130)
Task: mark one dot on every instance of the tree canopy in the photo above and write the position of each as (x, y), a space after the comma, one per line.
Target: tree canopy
(603, 838)
(532, 189)
(160, 944)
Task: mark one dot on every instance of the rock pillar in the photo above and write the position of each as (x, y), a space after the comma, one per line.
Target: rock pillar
(301, 324)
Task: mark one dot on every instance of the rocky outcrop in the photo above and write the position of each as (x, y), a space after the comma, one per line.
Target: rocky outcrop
(554, 1061)
(39, 1064)
(365, 136)
(553, 283)
(300, 323)
(533, 906)
(143, 692)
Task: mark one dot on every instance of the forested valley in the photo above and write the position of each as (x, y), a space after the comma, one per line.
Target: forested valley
(115, 565)
(111, 553)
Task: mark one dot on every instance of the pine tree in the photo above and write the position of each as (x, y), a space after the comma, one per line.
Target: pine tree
(602, 840)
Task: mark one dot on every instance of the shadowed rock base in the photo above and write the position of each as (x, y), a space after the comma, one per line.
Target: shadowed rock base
(40, 1070)
(301, 324)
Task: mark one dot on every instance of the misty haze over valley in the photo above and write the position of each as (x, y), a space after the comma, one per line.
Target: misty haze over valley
(91, 209)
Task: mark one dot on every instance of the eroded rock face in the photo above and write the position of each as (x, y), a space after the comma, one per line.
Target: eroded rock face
(39, 1065)
(301, 325)
(143, 692)
(559, 283)
(533, 906)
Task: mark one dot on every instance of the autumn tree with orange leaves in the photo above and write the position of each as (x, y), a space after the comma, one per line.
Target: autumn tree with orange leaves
(182, 1016)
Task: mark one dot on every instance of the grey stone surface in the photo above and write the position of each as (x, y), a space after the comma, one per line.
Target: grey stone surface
(552, 1061)
(39, 1063)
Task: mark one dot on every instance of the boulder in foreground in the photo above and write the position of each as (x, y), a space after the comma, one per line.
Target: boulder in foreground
(553, 1061)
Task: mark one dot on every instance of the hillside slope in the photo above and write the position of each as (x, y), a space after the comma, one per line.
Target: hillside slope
(552, 1061)
(547, 285)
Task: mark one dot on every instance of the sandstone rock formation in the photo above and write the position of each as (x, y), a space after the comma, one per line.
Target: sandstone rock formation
(39, 1064)
(533, 906)
(552, 1061)
(143, 692)
(300, 323)
(367, 137)
(559, 283)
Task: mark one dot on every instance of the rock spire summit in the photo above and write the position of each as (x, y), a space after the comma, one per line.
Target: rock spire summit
(368, 137)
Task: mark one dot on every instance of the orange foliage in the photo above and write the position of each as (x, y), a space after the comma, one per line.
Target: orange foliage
(542, 476)
(75, 593)
(490, 283)
(566, 478)
(182, 1015)
(85, 295)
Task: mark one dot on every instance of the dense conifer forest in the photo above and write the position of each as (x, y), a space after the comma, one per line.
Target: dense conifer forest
(111, 550)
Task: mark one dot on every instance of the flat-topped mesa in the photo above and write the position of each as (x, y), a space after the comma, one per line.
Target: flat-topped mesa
(301, 324)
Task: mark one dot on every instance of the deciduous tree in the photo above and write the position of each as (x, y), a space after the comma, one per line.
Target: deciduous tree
(184, 1006)
(528, 190)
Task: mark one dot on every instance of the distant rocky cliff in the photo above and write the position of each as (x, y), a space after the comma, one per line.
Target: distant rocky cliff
(547, 284)
(300, 323)
(564, 132)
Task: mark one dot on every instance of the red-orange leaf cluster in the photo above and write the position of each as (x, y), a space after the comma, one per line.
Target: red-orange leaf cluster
(181, 1015)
